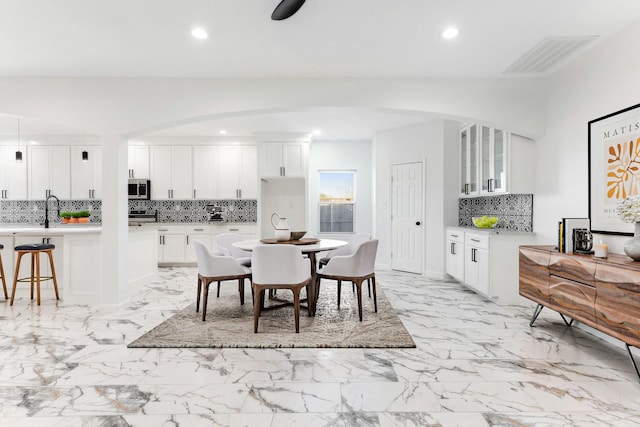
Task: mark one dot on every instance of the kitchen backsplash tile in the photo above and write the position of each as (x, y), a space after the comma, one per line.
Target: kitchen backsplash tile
(32, 211)
(514, 211)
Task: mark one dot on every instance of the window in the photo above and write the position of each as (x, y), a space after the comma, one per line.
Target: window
(337, 201)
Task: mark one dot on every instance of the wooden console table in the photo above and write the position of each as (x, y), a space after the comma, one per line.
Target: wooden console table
(601, 293)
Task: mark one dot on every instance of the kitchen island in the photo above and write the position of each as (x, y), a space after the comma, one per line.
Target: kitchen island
(77, 258)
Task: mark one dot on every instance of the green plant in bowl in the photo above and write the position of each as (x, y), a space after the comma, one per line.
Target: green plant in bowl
(485, 221)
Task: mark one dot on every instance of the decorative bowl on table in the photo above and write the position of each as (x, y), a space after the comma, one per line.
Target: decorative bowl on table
(485, 221)
(297, 235)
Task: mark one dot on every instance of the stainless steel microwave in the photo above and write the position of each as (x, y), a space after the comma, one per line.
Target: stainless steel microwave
(139, 189)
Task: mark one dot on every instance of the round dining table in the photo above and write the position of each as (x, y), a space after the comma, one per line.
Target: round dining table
(311, 249)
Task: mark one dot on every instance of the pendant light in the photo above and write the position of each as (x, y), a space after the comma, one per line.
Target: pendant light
(19, 152)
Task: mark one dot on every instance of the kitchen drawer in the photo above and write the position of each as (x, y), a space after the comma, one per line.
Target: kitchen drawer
(198, 229)
(455, 236)
(477, 240)
(171, 229)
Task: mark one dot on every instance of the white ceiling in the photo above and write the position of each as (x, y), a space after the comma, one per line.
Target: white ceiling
(326, 38)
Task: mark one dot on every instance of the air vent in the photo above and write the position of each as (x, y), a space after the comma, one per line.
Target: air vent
(548, 54)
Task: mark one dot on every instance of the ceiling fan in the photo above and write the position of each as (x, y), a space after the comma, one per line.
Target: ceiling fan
(286, 8)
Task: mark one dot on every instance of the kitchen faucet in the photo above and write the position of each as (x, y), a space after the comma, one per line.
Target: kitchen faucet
(46, 209)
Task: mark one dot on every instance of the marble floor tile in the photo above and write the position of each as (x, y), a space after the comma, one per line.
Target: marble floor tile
(476, 364)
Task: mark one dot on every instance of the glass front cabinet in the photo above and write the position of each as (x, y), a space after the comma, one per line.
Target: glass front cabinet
(469, 161)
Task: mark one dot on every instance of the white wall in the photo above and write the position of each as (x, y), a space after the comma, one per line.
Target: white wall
(423, 143)
(602, 81)
(343, 155)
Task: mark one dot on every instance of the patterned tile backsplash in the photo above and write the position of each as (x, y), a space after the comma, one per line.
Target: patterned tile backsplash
(32, 211)
(514, 211)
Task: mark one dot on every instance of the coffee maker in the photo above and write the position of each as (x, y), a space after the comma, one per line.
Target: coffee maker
(582, 241)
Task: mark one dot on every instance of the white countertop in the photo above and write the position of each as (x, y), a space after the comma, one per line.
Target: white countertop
(490, 230)
(54, 230)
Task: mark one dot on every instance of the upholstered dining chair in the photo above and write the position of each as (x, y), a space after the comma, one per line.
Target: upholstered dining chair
(216, 267)
(356, 240)
(225, 243)
(355, 268)
(279, 267)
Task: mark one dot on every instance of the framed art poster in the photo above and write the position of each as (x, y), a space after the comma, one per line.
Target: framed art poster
(614, 168)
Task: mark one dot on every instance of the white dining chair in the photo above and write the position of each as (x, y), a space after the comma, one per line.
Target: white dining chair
(356, 240)
(216, 267)
(279, 267)
(225, 243)
(355, 268)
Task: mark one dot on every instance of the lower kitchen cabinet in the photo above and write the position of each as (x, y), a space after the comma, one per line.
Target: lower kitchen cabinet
(175, 242)
(486, 261)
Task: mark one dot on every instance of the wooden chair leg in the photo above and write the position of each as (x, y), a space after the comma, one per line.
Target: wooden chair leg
(33, 261)
(53, 273)
(353, 287)
(309, 292)
(199, 292)
(241, 290)
(205, 297)
(359, 290)
(218, 293)
(339, 291)
(4, 282)
(256, 307)
(296, 307)
(375, 298)
(37, 255)
(15, 277)
(369, 286)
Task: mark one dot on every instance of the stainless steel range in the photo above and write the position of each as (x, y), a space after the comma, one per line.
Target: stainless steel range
(138, 216)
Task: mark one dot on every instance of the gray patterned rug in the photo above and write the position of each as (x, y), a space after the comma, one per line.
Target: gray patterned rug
(229, 324)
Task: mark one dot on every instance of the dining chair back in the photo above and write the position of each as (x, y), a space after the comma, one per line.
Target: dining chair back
(225, 243)
(356, 268)
(279, 267)
(356, 240)
(216, 267)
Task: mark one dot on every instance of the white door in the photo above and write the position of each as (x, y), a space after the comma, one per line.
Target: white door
(407, 218)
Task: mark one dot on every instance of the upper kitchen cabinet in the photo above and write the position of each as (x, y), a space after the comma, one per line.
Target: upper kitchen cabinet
(86, 172)
(493, 161)
(171, 172)
(13, 174)
(469, 154)
(237, 172)
(138, 161)
(286, 159)
(49, 172)
(205, 172)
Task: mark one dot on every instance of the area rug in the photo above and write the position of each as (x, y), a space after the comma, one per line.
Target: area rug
(230, 324)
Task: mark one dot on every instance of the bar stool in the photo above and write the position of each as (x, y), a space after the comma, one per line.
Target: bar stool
(35, 249)
(4, 283)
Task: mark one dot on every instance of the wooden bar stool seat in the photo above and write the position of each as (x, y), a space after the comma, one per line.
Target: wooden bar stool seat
(4, 283)
(35, 249)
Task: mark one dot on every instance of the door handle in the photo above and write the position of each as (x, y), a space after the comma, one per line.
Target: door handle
(453, 248)
(418, 223)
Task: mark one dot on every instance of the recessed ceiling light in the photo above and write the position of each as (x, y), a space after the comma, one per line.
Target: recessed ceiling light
(199, 33)
(449, 33)
(316, 132)
(222, 132)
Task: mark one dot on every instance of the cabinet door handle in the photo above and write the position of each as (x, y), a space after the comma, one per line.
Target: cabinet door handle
(490, 185)
(466, 189)
(187, 239)
(284, 171)
(454, 235)
(474, 255)
(198, 229)
(234, 229)
(194, 193)
(168, 194)
(240, 193)
(475, 240)
(453, 248)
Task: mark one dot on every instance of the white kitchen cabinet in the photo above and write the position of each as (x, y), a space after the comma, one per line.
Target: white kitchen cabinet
(196, 232)
(205, 172)
(49, 172)
(455, 254)
(476, 263)
(469, 158)
(490, 261)
(283, 159)
(171, 243)
(86, 176)
(237, 175)
(171, 172)
(138, 162)
(13, 174)
(494, 155)
(493, 161)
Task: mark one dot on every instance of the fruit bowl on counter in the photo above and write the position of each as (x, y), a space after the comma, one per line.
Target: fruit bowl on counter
(485, 221)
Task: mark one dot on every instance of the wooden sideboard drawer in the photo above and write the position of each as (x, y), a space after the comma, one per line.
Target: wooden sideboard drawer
(579, 268)
(534, 275)
(574, 299)
(618, 302)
